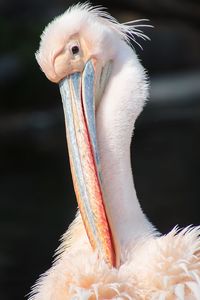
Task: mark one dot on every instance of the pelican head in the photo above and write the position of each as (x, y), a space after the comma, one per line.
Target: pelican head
(80, 51)
(72, 39)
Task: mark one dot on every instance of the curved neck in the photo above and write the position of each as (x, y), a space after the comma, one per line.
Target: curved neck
(122, 102)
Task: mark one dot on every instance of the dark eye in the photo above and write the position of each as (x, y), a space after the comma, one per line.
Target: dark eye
(75, 50)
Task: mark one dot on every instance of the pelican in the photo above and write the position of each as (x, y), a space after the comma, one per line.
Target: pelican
(111, 250)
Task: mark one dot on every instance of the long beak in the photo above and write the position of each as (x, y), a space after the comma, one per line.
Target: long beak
(77, 91)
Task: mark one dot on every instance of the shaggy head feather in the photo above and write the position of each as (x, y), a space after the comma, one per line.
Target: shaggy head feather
(91, 23)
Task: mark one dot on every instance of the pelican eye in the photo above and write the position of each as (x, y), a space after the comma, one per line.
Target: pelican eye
(75, 50)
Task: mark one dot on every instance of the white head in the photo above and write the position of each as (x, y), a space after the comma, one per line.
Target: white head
(81, 33)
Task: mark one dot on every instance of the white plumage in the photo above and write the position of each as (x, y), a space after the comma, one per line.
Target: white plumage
(151, 266)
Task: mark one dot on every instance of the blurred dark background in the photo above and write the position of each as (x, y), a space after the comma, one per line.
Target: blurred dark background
(37, 201)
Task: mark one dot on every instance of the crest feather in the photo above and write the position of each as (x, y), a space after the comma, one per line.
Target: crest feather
(129, 31)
